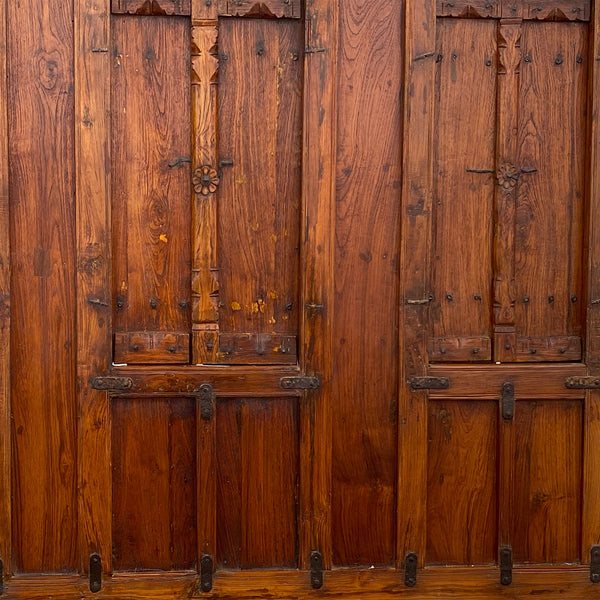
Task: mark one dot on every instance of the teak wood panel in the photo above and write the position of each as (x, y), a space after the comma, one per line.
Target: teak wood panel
(154, 484)
(366, 287)
(150, 100)
(42, 240)
(260, 130)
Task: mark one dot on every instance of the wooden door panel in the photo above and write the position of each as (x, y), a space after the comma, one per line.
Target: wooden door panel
(154, 484)
(464, 190)
(151, 186)
(462, 482)
(550, 200)
(151, 7)
(260, 126)
(546, 520)
(257, 477)
(263, 8)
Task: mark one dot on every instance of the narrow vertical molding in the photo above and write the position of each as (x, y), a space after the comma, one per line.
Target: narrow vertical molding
(318, 218)
(590, 522)
(509, 62)
(417, 196)
(5, 428)
(94, 302)
(205, 173)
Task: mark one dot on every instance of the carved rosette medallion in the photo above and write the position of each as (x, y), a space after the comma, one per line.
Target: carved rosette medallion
(507, 176)
(205, 180)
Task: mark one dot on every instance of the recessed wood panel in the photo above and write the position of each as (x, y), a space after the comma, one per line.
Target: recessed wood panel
(546, 519)
(260, 131)
(365, 383)
(464, 178)
(154, 484)
(462, 487)
(551, 185)
(150, 99)
(257, 478)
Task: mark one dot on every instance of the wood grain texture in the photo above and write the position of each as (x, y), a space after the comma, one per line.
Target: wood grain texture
(415, 262)
(260, 8)
(5, 429)
(550, 201)
(257, 475)
(150, 103)
(464, 200)
(462, 486)
(260, 129)
(317, 260)
(42, 238)
(92, 71)
(366, 288)
(139, 347)
(154, 484)
(546, 518)
(473, 9)
(151, 7)
(206, 494)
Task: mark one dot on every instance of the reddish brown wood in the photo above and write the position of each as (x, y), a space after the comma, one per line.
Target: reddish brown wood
(257, 465)
(557, 10)
(462, 485)
(260, 130)
(259, 8)
(150, 99)
(460, 349)
(137, 348)
(547, 482)
(548, 348)
(261, 348)
(468, 8)
(151, 7)
(154, 484)
(207, 482)
(40, 156)
(92, 70)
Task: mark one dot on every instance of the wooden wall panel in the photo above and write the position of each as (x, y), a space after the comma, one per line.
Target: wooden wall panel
(464, 195)
(154, 484)
(364, 397)
(42, 236)
(550, 201)
(257, 478)
(462, 486)
(260, 130)
(546, 519)
(150, 100)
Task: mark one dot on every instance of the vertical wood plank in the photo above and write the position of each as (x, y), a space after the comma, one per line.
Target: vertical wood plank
(368, 176)
(417, 190)
(5, 429)
(42, 236)
(318, 221)
(591, 457)
(92, 73)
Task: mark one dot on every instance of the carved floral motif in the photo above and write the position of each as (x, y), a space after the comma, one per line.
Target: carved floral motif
(205, 180)
(507, 176)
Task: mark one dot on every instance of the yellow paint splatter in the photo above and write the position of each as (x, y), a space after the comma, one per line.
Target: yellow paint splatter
(163, 238)
(255, 226)
(236, 306)
(272, 320)
(258, 306)
(274, 237)
(240, 179)
(273, 294)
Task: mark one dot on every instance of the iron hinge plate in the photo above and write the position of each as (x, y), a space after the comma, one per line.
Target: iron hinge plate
(583, 383)
(506, 565)
(206, 397)
(95, 573)
(508, 400)
(112, 384)
(595, 564)
(206, 573)
(429, 383)
(316, 570)
(300, 383)
(410, 569)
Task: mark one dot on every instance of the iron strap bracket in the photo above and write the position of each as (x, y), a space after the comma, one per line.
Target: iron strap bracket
(508, 400)
(206, 397)
(429, 383)
(316, 570)
(595, 564)
(112, 384)
(583, 383)
(206, 573)
(506, 565)
(300, 383)
(410, 569)
(95, 573)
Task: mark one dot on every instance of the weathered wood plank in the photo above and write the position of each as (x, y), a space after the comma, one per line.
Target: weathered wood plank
(261, 348)
(260, 8)
(42, 238)
(151, 7)
(473, 9)
(368, 179)
(139, 347)
(92, 71)
(417, 193)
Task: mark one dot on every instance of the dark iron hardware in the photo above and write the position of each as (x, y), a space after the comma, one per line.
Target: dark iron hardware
(506, 564)
(410, 569)
(316, 570)
(429, 383)
(206, 396)
(582, 383)
(95, 573)
(112, 384)
(179, 160)
(206, 573)
(508, 400)
(225, 162)
(300, 383)
(595, 564)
